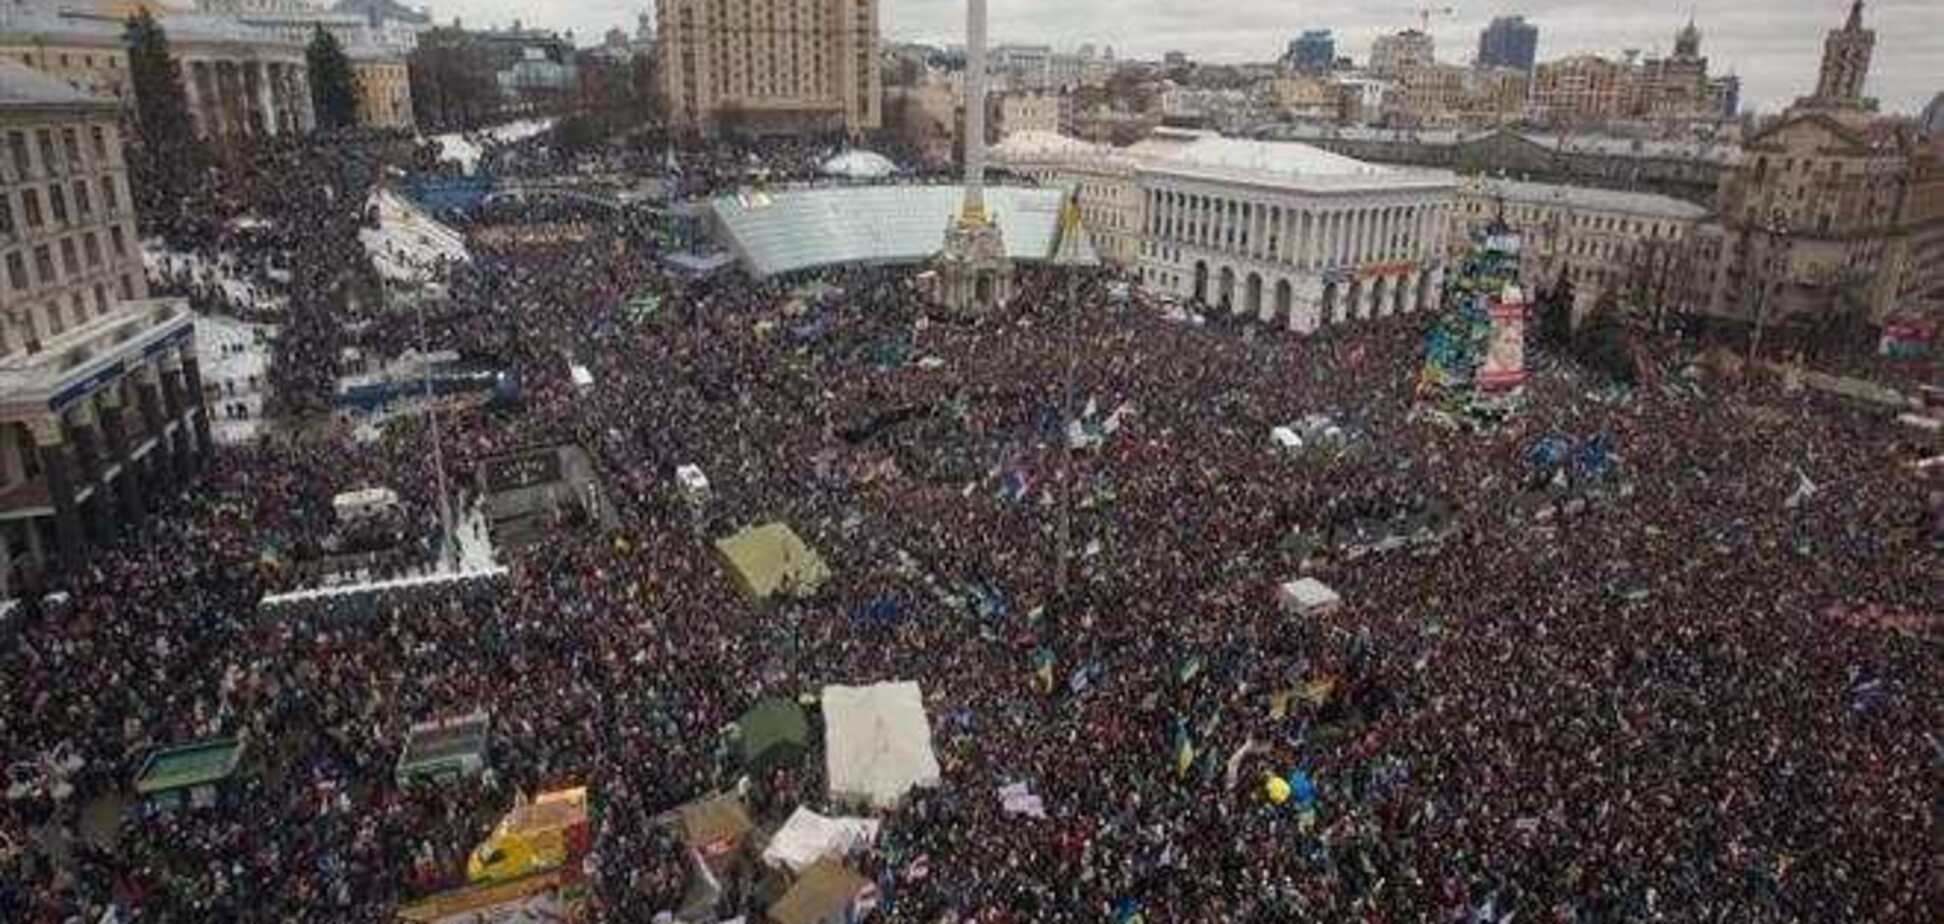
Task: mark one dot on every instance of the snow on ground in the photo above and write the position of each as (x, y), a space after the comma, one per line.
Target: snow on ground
(408, 243)
(459, 149)
(464, 151)
(232, 352)
(475, 537)
(156, 256)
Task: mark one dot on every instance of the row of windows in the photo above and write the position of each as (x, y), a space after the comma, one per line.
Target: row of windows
(59, 196)
(50, 320)
(67, 61)
(72, 258)
(1535, 216)
(67, 153)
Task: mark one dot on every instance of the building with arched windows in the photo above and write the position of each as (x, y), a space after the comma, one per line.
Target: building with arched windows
(1280, 231)
(1831, 210)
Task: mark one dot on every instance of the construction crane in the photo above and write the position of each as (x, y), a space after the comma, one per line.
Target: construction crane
(1426, 12)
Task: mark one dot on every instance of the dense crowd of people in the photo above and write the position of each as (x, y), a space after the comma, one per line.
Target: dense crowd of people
(1653, 702)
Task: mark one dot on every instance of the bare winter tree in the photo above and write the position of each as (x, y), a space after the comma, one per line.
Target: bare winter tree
(1656, 281)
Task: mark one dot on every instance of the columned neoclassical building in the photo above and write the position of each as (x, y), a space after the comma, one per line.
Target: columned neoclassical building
(1281, 231)
(1288, 232)
(241, 79)
(246, 90)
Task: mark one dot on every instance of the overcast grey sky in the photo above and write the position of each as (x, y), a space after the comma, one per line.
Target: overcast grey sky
(1775, 45)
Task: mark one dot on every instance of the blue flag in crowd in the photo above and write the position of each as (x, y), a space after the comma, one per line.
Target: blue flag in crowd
(1302, 788)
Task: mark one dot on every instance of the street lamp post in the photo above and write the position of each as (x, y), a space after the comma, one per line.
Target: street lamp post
(1777, 230)
(1066, 439)
(448, 545)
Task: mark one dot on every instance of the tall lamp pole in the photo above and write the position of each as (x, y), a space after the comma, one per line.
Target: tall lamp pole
(1066, 439)
(448, 545)
(1776, 230)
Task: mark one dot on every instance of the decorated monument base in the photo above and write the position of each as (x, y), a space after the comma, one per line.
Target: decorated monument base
(974, 273)
(1505, 359)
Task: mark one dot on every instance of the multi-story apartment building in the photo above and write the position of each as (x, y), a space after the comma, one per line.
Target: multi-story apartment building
(1589, 89)
(1447, 94)
(1509, 42)
(1400, 51)
(1034, 111)
(101, 407)
(1830, 207)
(1313, 52)
(1599, 239)
(777, 65)
(1580, 89)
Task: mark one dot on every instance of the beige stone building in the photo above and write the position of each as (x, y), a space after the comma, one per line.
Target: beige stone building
(377, 40)
(1303, 97)
(239, 79)
(384, 91)
(1922, 287)
(1597, 238)
(1031, 111)
(1447, 94)
(101, 410)
(1579, 89)
(1831, 209)
(1669, 89)
(1285, 233)
(1401, 51)
(771, 65)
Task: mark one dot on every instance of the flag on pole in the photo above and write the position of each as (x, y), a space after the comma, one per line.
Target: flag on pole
(1072, 246)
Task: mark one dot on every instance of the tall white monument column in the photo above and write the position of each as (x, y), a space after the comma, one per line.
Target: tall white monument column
(974, 273)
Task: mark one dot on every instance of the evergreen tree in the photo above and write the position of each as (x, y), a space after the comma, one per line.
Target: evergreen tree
(1556, 311)
(1603, 343)
(334, 93)
(165, 158)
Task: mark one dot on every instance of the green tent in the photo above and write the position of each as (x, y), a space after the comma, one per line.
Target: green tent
(770, 558)
(191, 774)
(773, 732)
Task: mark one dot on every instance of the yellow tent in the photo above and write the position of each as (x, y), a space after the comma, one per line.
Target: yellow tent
(770, 558)
(827, 892)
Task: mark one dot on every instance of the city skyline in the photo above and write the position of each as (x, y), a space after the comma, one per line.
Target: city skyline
(1774, 51)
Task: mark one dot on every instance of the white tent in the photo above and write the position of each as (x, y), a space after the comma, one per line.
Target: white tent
(1307, 596)
(808, 837)
(859, 165)
(355, 505)
(877, 743)
(695, 485)
(1285, 438)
